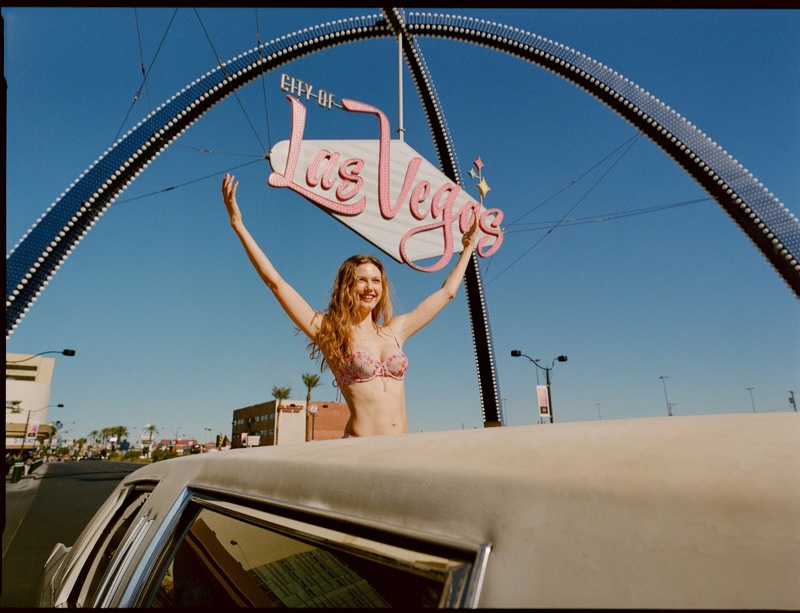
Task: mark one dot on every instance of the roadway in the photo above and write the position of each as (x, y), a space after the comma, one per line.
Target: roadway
(48, 507)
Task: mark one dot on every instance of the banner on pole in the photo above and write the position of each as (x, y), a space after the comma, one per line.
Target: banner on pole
(544, 400)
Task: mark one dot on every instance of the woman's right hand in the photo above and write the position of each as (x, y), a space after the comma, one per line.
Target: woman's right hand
(229, 185)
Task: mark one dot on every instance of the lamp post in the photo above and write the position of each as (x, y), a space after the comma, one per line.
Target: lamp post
(516, 353)
(56, 426)
(67, 352)
(175, 432)
(28, 421)
(313, 410)
(753, 402)
(669, 406)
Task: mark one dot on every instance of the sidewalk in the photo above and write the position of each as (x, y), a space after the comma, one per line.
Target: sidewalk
(19, 497)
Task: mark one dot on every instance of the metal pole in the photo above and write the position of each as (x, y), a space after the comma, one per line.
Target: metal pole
(400, 129)
(549, 394)
(669, 407)
(750, 389)
(25, 434)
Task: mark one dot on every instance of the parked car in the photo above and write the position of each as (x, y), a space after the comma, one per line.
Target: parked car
(672, 512)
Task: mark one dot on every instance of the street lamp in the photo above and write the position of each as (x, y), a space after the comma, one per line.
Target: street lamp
(669, 406)
(516, 353)
(56, 426)
(27, 422)
(313, 410)
(175, 432)
(67, 352)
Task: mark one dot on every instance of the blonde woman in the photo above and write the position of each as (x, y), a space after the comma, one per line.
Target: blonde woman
(357, 337)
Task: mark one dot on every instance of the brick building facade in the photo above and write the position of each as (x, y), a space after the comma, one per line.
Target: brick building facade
(261, 424)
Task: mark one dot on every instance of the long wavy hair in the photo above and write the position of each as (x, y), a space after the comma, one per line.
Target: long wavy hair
(336, 328)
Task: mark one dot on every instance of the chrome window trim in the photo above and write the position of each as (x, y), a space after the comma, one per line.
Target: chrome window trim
(140, 573)
(122, 560)
(77, 558)
(81, 553)
(463, 574)
(474, 587)
(341, 520)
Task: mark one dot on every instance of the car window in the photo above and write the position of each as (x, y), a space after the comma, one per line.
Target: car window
(243, 561)
(107, 545)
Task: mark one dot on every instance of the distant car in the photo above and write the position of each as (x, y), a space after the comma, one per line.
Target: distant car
(671, 513)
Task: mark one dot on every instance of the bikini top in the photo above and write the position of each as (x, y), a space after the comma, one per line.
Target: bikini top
(361, 366)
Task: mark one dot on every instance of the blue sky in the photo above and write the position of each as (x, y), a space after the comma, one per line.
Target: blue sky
(172, 326)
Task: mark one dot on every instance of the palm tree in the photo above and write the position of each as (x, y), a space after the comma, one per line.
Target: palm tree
(94, 434)
(104, 434)
(152, 430)
(310, 381)
(121, 432)
(280, 394)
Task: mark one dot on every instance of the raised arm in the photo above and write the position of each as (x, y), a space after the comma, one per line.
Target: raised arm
(413, 321)
(293, 303)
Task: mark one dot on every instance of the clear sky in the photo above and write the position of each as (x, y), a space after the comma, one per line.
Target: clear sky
(172, 327)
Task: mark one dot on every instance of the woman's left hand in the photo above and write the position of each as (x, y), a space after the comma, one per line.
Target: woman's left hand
(470, 236)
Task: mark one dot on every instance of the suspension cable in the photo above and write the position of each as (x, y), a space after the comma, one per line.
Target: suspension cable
(263, 81)
(632, 141)
(577, 221)
(227, 76)
(144, 73)
(185, 183)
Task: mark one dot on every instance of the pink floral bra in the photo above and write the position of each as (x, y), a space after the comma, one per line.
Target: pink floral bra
(361, 366)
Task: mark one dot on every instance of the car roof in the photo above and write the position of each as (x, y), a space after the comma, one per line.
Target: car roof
(596, 507)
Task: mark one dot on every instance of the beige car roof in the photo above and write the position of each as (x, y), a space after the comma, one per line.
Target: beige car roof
(672, 512)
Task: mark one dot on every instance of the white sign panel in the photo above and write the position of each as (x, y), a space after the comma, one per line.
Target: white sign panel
(383, 190)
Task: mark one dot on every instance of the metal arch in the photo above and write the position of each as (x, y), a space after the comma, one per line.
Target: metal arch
(488, 385)
(41, 251)
(764, 219)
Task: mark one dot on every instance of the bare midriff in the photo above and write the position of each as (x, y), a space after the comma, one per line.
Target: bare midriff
(376, 407)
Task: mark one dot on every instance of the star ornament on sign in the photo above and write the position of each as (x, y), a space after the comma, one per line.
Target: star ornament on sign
(482, 185)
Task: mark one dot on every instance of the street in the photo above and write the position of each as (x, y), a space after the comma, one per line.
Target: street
(51, 506)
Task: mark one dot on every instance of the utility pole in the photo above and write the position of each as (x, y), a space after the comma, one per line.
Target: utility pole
(792, 401)
(753, 402)
(669, 406)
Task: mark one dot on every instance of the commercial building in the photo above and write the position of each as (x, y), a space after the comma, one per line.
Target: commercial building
(29, 381)
(268, 424)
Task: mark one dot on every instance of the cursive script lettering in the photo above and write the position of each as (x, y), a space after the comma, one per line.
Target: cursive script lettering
(342, 183)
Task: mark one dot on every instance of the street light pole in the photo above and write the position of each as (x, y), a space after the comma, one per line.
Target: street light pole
(67, 352)
(669, 406)
(516, 353)
(28, 421)
(313, 410)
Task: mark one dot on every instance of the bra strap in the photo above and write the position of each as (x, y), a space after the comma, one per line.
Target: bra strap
(394, 337)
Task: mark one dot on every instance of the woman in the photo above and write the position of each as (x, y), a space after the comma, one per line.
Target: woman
(357, 337)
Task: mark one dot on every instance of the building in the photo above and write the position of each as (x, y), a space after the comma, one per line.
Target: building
(29, 381)
(180, 445)
(262, 424)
